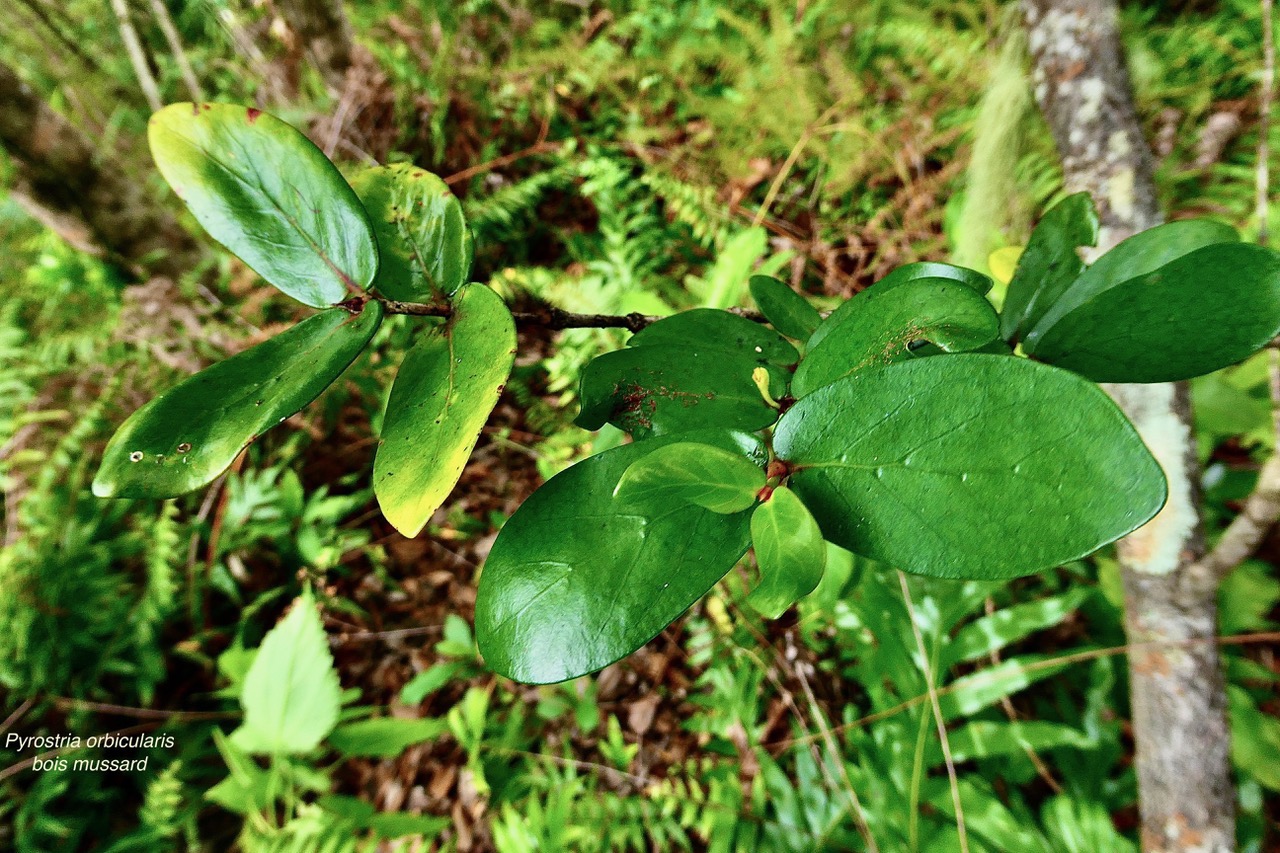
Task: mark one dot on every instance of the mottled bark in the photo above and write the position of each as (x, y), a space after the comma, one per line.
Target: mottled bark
(324, 34)
(82, 193)
(1178, 694)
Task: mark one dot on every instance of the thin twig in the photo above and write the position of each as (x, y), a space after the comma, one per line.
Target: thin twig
(541, 147)
(70, 704)
(1265, 98)
(555, 319)
(137, 56)
(175, 47)
(17, 714)
(927, 668)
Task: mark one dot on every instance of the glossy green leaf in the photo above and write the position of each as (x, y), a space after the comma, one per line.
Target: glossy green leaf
(789, 550)
(971, 466)
(902, 276)
(692, 473)
(263, 190)
(712, 330)
(788, 311)
(1201, 312)
(578, 578)
(661, 390)
(445, 389)
(1133, 258)
(885, 324)
(1049, 265)
(291, 696)
(424, 244)
(184, 438)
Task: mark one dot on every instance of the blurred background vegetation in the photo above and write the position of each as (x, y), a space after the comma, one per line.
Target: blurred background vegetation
(612, 156)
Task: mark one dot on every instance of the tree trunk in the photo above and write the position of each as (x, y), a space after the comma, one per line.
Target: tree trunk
(324, 34)
(1178, 695)
(84, 195)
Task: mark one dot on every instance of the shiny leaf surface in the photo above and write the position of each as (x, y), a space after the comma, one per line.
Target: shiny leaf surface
(263, 190)
(1135, 257)
(886, 323)
(578, 578)
(1203, 311)
(690, 473)
(1049, 264)
(957, 466)
(790, 551)
(788, 311)
(184, 438)
(424, 244)
(443, 394)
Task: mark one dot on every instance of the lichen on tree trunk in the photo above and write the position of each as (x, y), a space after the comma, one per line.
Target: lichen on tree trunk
(1176, 682)
(83, 193)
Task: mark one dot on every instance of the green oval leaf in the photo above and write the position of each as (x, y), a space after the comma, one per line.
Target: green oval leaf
(691, 473)
(264, 191)
(1133, 258)
(712, 330)
(883, 324)
(900, 277)
(424, 244)
(661, 390)
(184, 438)
(578, 578)
(972, 466)
(445, 389)
(291, 695)
(1203, 311)
(790, 551)
(788, 311)
(1049, 265)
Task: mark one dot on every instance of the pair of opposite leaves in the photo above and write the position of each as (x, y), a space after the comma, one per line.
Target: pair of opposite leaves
(265, 192)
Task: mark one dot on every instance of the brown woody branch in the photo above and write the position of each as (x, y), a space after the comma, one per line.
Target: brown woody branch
(552, 318)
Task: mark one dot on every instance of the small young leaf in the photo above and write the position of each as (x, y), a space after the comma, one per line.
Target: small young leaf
(577, 579)
(424, 244)
(788, 311)
(1133, 258)
(881, 325)
(789, 550)
(690, 473)
(263, 190)
(1049, 264)
(1197, 314)
(184, 438)
(443, 394)
(291, 696)
(663, 390)
(972, 466)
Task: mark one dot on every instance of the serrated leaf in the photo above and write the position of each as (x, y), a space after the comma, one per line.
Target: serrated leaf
(1049, 264)
(788, 311)
(789, 550)
(291, 695)
(881, 326)
(266, 193)
(663, 390)
(578, 579)
(1133, 258)
(184, 438)
(424, 244)
(973, 466)
(384, 737)
(691, 473)
(443, 394)
(1199, 313)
